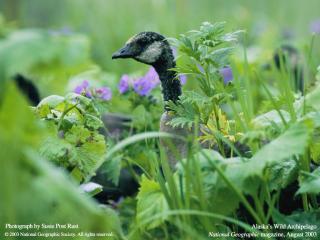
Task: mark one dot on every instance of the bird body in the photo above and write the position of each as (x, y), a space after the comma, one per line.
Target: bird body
(176, 143)
(288, 57)
(153, 49)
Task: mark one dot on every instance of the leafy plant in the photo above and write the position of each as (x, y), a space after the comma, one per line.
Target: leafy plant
(28, 178)
(207, 52)
(74, 141)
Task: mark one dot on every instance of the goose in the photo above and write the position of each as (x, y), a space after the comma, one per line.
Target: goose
(287, 53)
(153, 49)
(27, 88)
(288, 58)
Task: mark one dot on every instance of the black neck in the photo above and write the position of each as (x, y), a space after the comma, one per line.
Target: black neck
(171, 87)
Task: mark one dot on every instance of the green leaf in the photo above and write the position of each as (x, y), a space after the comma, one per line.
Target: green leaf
(219, 196)
(87, 154)
(111, 169)
(310, 219)
(151, 201)
(140, 117)
(292, 142)
(270, 118)
(311, 100)
(184, 114)
(194, 97)
(91, 188)
(51, 101)
(93, 122)
(56, 150)
(310, 182)
(281, 174)
(77, 135)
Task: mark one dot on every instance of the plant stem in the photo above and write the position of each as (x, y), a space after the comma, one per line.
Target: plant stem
(65, 112)
(235, 189)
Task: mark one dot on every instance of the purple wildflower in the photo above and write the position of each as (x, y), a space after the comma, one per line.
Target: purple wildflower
(124, 83)
(227, 75)
(315, 26)
(104, 93)
(142, 87)
(183, 79)
(174, 51)
(145, 84)
(83, 88)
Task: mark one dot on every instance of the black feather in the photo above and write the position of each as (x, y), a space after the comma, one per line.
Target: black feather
(27, 88)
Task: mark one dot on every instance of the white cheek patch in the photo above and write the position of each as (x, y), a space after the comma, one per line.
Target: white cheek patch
(151, 53)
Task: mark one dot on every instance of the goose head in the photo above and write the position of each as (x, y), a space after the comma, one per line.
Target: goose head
(153, 49)
(147, 47)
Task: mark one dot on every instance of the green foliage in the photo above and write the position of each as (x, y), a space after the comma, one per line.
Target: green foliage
(27, 178)
(206, 51)
(74, 140)
(292, 142)
(111, 169)
(311, 218)
(279, 139)
(282, 174)
(48, 57)
(211, 190)
(150, 202)
(310, 182)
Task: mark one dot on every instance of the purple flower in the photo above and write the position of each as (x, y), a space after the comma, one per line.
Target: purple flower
(145, 84)
(174, 51)
(142, 86)
(152, 77)
(104, 93)
(315, 26)
(183, 79)
(83, 88)
(227, 75)
(124, 83)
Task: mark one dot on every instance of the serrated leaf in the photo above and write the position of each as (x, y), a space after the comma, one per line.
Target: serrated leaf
(111, 169)
(194, 97)
(151, 201)
(282, 174)
(292, 142)
(93, 122)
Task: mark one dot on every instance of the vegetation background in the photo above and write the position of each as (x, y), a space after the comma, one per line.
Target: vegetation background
(59, 44)
(109, 23)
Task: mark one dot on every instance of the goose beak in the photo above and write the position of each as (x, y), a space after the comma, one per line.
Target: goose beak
(125, 52)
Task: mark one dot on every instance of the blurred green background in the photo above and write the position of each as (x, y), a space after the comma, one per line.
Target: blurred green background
(109, 23)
